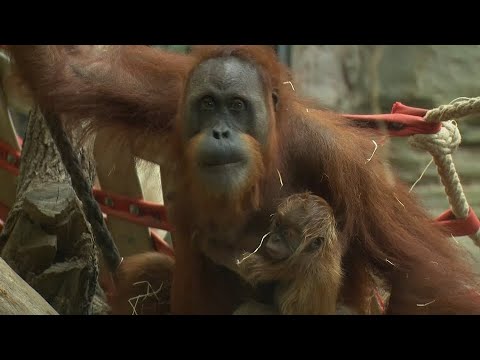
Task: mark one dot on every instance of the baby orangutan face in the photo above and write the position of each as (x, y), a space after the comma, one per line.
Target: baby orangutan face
(303, 254)
(302, 224)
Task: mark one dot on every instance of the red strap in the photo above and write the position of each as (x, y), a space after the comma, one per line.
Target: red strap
(402, 121)
(459, 227)
(137, 211)
(399, 108)
(407, 124)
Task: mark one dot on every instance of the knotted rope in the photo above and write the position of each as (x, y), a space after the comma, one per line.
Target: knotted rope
(442, 145)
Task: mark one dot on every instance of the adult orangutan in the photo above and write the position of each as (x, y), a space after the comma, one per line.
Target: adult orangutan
(238, 138)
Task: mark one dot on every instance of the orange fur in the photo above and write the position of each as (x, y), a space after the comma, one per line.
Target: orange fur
(385, 222)
(308, 282)
(231, 208)
(141, 89)
(142, 274)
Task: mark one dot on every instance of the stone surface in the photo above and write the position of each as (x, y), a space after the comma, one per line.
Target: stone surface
(329, 73)
(428, 76)
(355, 77)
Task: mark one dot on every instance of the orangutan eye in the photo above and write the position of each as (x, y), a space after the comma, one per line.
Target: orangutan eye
(207, 103)
(237, 105)
(316, 244)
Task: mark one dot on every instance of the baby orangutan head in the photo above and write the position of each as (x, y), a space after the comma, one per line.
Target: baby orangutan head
(302, 253)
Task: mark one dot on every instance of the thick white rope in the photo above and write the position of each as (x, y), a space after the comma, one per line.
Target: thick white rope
(456, 109)
(442, 145)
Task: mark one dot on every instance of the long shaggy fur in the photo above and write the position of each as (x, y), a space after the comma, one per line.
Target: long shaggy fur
(140, 89)
(131, 90)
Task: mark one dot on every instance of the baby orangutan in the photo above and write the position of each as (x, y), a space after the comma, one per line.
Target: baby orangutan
(302, 255)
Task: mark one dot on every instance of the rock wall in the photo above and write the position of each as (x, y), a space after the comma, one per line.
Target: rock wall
(357, 77)
(369, 79)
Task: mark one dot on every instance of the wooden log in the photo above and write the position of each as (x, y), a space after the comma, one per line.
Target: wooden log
(19, 298)
(47, 239)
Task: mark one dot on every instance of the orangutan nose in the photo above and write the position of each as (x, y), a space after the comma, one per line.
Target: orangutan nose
(276, 248)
